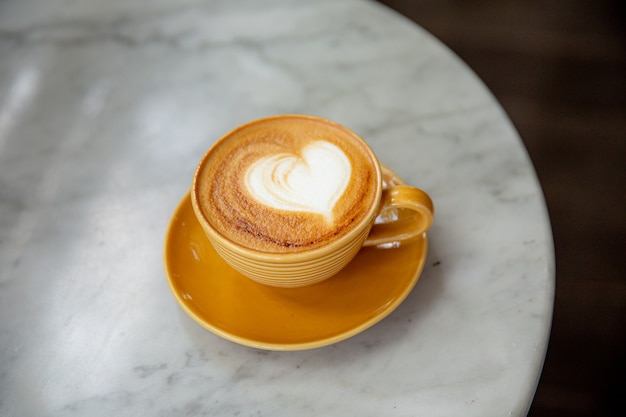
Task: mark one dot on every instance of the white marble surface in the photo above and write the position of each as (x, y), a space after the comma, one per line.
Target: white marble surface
(105, 108)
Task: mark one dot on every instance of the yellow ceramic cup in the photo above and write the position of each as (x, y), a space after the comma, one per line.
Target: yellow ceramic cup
(400, 213)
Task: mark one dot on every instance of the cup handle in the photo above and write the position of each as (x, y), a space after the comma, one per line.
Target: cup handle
(405, 213)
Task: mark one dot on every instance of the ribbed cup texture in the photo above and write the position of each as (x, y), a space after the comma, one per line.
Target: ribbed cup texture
(296, 273)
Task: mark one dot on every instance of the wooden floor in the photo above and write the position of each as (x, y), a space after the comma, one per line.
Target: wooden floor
(559, 70)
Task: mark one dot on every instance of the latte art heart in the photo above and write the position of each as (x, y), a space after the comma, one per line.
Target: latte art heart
(287, 184)
(311, 182)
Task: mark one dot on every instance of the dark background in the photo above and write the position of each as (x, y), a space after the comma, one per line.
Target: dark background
(558, 67)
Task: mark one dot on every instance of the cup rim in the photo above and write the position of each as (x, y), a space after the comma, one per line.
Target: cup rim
(286, 257)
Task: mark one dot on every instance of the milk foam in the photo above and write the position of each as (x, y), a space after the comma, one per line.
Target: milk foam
(312, 182)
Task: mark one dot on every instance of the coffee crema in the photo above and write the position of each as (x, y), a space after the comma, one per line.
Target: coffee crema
(287, 184)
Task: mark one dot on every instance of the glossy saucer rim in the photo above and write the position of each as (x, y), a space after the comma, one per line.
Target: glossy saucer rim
(258, 344)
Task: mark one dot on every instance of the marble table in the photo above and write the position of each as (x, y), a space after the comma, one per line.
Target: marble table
(106, 107)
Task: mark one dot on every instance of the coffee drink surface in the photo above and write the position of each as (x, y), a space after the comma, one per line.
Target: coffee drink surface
(287, 184)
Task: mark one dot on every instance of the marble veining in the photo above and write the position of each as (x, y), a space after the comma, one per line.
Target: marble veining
(105, 109)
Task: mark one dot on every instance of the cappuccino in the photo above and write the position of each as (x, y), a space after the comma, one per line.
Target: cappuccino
(287, 184)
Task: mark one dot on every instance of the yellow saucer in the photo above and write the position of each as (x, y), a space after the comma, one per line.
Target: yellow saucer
(255, 315)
